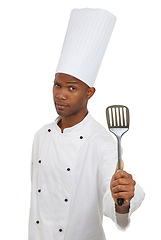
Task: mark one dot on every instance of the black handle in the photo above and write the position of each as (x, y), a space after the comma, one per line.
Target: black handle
(120, 201)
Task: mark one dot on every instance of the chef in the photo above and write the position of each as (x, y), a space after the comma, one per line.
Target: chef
(74, 159)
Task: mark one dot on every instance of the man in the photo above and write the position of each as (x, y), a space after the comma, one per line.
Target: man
(74, 175)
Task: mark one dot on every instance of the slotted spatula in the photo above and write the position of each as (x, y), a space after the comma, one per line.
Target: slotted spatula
(118, 123)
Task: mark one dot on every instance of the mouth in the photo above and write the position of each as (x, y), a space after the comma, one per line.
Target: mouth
(60, 106)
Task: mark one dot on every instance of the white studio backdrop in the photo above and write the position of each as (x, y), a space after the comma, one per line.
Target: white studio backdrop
(32, 34)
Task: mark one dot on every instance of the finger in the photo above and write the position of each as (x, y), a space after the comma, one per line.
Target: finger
(125, 195)
(123, 188)
(122, 174)
(122, 166)
(121, 181)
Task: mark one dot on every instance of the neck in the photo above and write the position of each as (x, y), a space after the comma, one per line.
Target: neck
(70, 121)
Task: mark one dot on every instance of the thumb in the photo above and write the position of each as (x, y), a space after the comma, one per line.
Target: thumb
(122, 166)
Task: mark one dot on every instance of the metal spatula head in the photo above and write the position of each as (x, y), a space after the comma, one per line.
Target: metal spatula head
(118, 123)
(118, 119)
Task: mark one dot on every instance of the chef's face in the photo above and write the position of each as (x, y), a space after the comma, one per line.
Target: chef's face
(70, 95)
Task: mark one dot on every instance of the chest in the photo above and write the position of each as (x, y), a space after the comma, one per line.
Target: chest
(68, 160)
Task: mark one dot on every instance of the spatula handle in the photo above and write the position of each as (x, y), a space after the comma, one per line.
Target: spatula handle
(120, 201)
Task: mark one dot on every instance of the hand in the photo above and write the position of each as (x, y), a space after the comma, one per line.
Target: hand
(122, 186)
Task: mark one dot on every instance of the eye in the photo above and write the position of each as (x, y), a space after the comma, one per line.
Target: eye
(72, 88)
(57, 84)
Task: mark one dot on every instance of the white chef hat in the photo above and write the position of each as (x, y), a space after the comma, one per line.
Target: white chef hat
(85, 43)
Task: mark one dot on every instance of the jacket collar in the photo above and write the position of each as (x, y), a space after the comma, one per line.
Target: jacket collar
(78, 127)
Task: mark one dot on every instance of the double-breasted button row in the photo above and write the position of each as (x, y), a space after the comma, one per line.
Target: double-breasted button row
(49, 130)
(39, 190)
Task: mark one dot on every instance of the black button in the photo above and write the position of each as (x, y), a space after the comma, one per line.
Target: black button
(68, 169)
(60, 230)
(66, 200)
(81, 137)
(49, 130)
(39, 161)
(39, 190)
(37, 222)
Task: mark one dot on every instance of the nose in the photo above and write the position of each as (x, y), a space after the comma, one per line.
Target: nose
(61, 94)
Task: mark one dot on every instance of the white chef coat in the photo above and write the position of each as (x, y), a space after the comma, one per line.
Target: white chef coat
(71, 174)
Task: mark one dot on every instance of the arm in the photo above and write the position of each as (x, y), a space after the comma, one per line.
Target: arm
(122, 186)
(133, 198)
(123, 209)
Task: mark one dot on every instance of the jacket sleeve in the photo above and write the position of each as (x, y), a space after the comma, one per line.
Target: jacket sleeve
(33, 201)
(107, 168)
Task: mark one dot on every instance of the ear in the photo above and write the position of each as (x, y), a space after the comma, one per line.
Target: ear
(90, 92)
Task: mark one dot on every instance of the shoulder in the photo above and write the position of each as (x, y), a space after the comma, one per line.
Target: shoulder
(103, 144)
(96, 126)
(100, 135)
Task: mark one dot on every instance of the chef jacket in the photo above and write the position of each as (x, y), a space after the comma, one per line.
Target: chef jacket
(70, 177)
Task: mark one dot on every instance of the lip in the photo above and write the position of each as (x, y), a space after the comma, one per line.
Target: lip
(60, 106)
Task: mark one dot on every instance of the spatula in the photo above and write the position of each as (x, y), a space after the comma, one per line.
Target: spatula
(118, 123)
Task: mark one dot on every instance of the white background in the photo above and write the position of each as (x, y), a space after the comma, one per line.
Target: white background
(31, 37)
